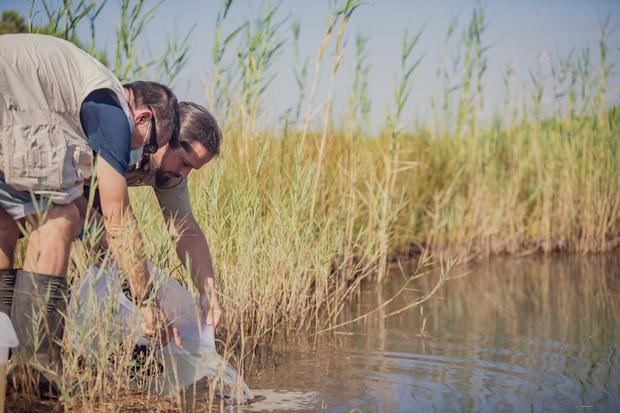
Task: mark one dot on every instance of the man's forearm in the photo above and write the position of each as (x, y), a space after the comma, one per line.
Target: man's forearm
(193, 251)
(121, 227)
(126, 245)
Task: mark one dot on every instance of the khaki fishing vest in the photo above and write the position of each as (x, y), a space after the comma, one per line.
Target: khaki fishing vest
(43, 82)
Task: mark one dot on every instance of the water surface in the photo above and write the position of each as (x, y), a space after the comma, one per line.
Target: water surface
(528, 334)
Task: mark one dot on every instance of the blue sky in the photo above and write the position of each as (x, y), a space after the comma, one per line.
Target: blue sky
(525, 34)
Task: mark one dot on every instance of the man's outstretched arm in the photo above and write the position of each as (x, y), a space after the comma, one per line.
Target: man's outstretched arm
(121, 228)
(193, 251)
(125, 241)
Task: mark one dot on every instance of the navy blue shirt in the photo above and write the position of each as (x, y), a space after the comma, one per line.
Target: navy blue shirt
(107, 129)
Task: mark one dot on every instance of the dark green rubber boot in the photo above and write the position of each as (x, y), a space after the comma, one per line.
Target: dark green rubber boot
(7, 285)
(37, 314)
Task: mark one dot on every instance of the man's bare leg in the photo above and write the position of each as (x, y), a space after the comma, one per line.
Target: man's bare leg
(40, 298)
(9, 234)
(49, 244)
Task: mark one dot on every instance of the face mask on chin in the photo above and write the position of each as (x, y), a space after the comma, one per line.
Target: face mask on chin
(135, 156)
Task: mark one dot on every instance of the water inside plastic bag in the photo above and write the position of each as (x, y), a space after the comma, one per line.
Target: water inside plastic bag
(181, 366)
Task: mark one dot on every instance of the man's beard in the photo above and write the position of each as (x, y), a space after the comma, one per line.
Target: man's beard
(165, 178)
(162, 178)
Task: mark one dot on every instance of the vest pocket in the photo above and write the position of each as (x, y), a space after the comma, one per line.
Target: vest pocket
(44, 158)
(33, 157)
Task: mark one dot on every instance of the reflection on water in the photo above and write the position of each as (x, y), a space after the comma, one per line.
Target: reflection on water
(530, 334)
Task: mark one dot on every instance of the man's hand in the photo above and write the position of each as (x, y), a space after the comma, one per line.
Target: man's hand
(157, 326)
(210, 307)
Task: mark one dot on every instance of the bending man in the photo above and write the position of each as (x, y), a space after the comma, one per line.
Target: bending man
(166, 172)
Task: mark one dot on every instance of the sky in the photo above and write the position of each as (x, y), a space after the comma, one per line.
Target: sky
(525, 34)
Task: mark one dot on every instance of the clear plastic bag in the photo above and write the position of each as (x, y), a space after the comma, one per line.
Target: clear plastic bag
(181, 366)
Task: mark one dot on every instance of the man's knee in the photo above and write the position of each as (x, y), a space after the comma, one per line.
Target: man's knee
(64, 218)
